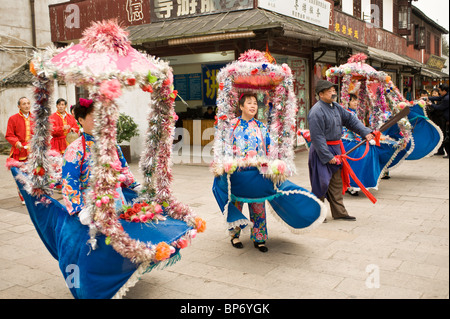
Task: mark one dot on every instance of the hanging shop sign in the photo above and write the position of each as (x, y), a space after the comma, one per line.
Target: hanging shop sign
(436, 62)
(210, 85)
(316, 12)
(175, 9)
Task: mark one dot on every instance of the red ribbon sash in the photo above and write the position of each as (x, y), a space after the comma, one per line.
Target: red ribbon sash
(347, 171)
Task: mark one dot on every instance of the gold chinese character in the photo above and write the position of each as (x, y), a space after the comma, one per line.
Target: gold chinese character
(337, 27)
(344, 29)
(355, 34)
(350, 31)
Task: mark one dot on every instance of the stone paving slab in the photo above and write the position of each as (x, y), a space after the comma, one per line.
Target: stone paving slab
(397, 248)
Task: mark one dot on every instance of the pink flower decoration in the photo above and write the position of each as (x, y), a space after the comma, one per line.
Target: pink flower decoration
(227, 166)
(135, 219)
(158, 209)
(111, 89)
(183, 243)
(281, 167)
(251, 153)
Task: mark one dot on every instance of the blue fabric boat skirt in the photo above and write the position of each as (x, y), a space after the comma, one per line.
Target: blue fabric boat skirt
(295, 206)
(101, 273)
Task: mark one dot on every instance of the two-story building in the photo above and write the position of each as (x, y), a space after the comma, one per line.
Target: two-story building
(401, 40)
(199, 37)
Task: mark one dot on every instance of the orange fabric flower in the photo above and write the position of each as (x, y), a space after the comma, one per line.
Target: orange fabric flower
(162, 251)
(201, 224)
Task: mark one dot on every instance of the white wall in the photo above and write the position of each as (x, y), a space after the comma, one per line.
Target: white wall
(365, 10)
(388, 12)
(347, 6)
(16, 47)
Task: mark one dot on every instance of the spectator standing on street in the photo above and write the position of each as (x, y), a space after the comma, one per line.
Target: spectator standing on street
(63, 123)
(437, 117)
(443, 106)
(19, 131)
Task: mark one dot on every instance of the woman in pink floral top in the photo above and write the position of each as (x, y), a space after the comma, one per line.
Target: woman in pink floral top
(250, 138)
(77, 163)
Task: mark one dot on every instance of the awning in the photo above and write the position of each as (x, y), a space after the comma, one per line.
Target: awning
(392, 58)
(434, 74)
(228, 25)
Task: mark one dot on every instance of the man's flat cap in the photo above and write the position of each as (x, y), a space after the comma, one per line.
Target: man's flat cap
(323, 85)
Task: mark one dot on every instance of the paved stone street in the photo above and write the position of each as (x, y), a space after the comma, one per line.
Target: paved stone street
(397, 248)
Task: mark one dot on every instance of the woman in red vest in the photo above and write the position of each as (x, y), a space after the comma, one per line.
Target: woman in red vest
(63, 123)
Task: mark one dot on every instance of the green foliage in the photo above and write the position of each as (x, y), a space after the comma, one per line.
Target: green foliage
(126, 128)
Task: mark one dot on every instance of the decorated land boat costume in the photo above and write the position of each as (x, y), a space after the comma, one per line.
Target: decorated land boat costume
(412, 138)
(111, 252)
(260, 175)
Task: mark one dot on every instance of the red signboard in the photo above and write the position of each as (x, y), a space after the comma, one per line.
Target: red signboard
(69, 19)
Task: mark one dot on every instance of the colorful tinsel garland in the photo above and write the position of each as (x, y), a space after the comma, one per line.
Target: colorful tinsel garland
(253, 73)
(375, 106)
(155, 161)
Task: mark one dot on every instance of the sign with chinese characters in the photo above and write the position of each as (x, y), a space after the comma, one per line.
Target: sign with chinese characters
(312, 11)
(189, 86)
(349, 26)
(346, 30)
(436, 62)
(210, 85)
(195, 86)
(174, 9)
(135, 10)
(69, 19)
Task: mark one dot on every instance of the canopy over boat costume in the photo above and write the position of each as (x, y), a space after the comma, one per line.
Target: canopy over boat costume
(262, 174)
(413, 137)
(110, 252)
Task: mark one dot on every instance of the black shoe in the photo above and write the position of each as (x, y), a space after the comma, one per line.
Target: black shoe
(446, 156)
(261, 246)
(386, 177)
(438, 153)
(351, 218)
(356, 193)
(237, 244)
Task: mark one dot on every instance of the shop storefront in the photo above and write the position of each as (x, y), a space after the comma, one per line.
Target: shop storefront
(197, 53)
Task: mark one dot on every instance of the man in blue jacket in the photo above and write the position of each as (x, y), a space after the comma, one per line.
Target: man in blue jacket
(326, 120)
(443, 106)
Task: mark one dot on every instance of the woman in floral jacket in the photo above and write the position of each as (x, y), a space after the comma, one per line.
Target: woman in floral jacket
(250, 138)
(77, 163)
